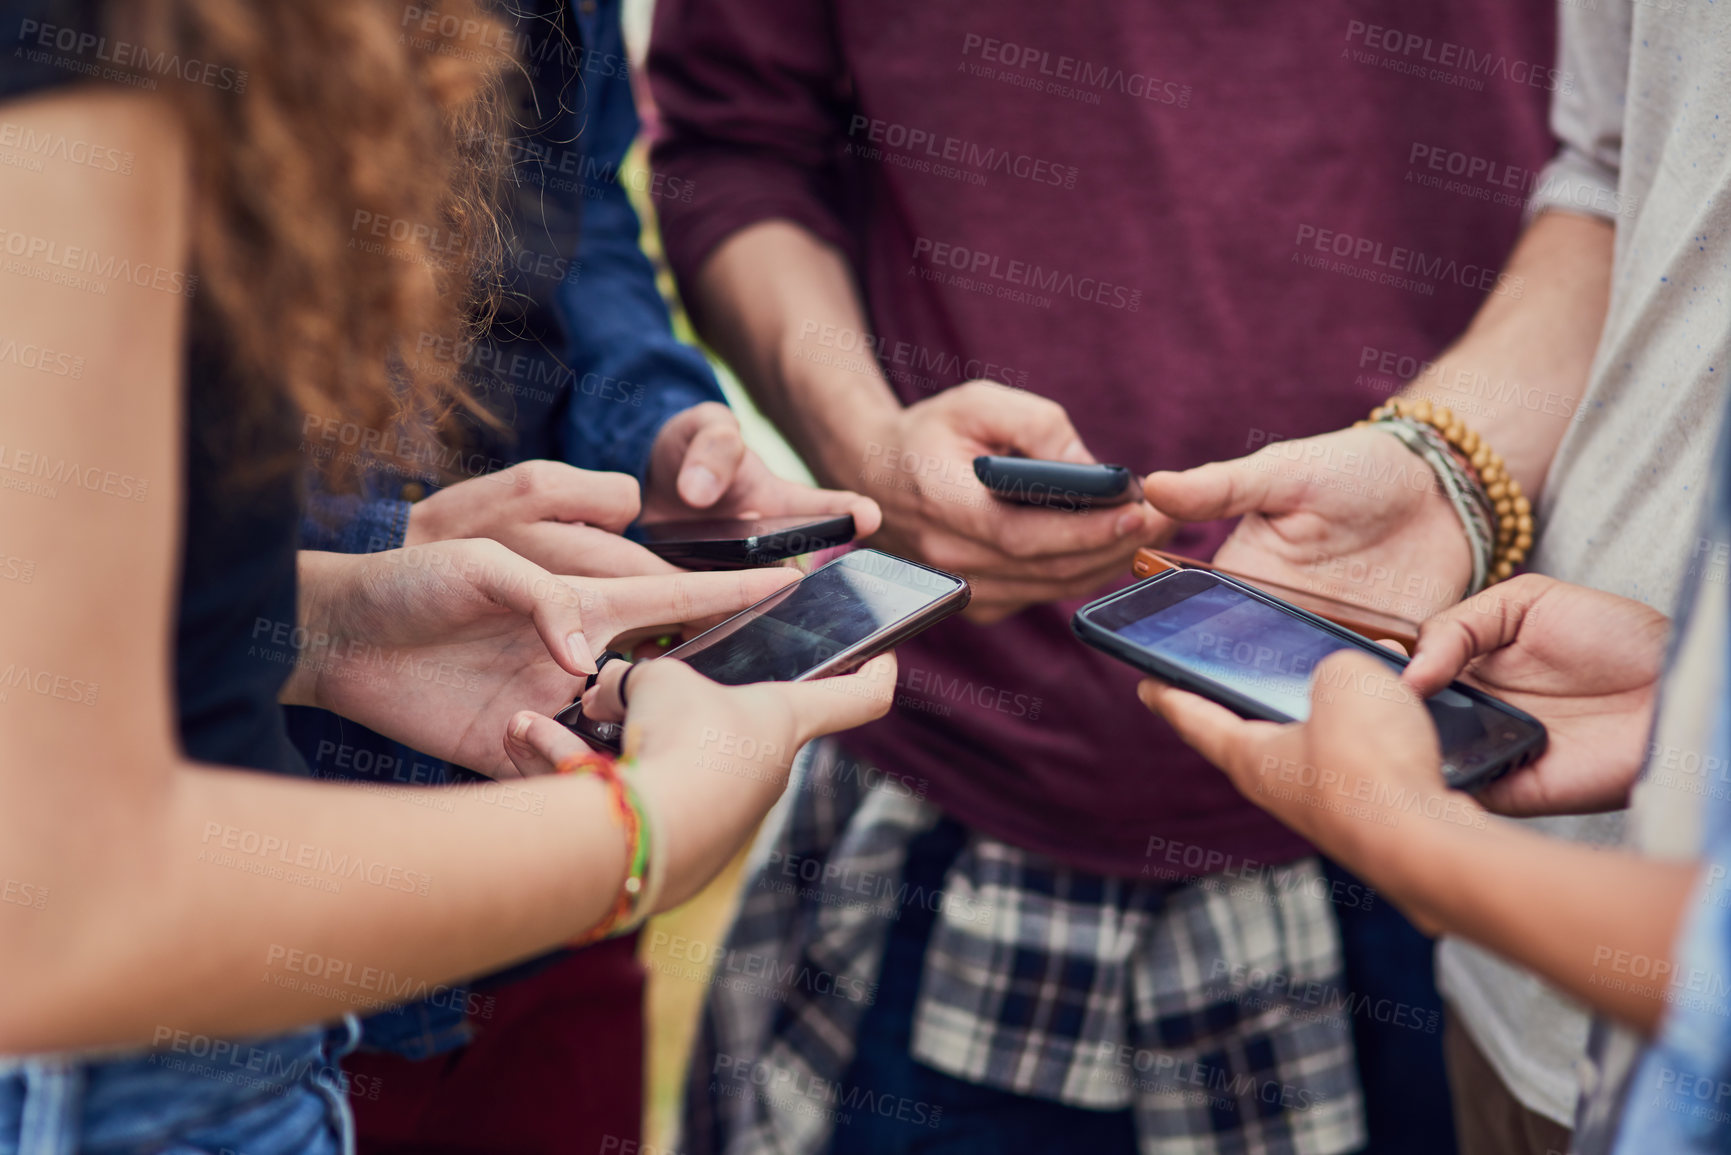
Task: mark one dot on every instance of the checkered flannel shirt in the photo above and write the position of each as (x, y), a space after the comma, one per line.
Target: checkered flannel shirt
(1213, 1007)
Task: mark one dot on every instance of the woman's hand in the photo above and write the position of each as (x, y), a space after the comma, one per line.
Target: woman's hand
(1585, 663)
(713, 758)
(1363, 766)
(439, 645)
(560, 517)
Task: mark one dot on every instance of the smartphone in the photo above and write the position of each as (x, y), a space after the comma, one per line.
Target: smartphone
(743, 543)
(1372, 623)
(1056, 484)
(829, 622)
(1253, 653)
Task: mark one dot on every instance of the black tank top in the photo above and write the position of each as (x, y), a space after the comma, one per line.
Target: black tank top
(235, 619)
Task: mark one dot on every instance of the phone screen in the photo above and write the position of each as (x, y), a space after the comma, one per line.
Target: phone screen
(1215, 631)
(1245, 645)
(833, 610)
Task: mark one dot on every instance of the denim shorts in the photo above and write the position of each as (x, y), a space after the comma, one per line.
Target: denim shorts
(192, 1095)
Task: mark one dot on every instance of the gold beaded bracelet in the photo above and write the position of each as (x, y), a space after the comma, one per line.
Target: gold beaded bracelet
(1502, 493)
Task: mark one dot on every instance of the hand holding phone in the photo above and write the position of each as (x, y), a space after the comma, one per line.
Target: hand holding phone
(700, 466)
(830, 622)
(1235, 645)
(918, 464)
(711, 759)
(1585, 662)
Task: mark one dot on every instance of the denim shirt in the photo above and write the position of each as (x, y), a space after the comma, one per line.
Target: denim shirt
(1673, 1093)
(589, 378)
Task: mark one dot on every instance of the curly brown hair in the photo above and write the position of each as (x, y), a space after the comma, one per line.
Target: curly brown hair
(313, 124)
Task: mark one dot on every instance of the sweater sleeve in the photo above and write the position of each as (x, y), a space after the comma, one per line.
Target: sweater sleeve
(630, 374)
(753, 99)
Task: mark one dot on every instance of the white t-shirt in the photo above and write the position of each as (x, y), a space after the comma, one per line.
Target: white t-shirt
(1643, 143)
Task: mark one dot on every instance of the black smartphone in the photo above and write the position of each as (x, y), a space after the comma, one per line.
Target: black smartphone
(831, 621)
(1253, 653)
(742, 543)
(1056, 484)
(1360, 619)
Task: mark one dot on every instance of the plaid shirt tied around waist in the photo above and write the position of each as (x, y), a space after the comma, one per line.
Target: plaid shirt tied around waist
(1212, 1007)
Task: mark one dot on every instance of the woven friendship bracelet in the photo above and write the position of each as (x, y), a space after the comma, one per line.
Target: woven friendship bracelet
(644, 856)
(1455, 486)
(1488, 485)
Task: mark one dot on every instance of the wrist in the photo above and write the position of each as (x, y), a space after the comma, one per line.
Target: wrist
(1414, 861)
(859, 411)
(1493, 509)
(1522, 414)
(605, 846)
(416, 531)
(645, 851)
(319, 575)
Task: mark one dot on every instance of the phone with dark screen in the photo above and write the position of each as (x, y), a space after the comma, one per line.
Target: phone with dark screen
(1061, 485)
(831, 621)
(1253, 653)
(743, 543)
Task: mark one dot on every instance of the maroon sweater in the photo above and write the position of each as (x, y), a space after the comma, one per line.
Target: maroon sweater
(1197, 225)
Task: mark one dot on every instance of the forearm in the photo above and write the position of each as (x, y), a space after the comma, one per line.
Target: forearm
(320, 576)
(763, 298)
(1593, 922)
(1519, 372)
(230, 903)
(225, 902)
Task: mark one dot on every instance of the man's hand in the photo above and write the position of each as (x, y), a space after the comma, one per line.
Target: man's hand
(438, 646)
(769, 287)
(1585, 663)
(920, 467)
(1365, 764)
(560, 517)
(1354, 515)
(700, 467)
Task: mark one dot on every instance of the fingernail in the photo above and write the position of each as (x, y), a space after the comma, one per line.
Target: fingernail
(1129, 522)
(581, 655)
(520, 725)
(702, 485)
(1074, 452)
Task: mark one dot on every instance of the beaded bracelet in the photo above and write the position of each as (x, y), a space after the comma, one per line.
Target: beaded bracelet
(643, 854)
(1460, 487)
(1498, 495)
